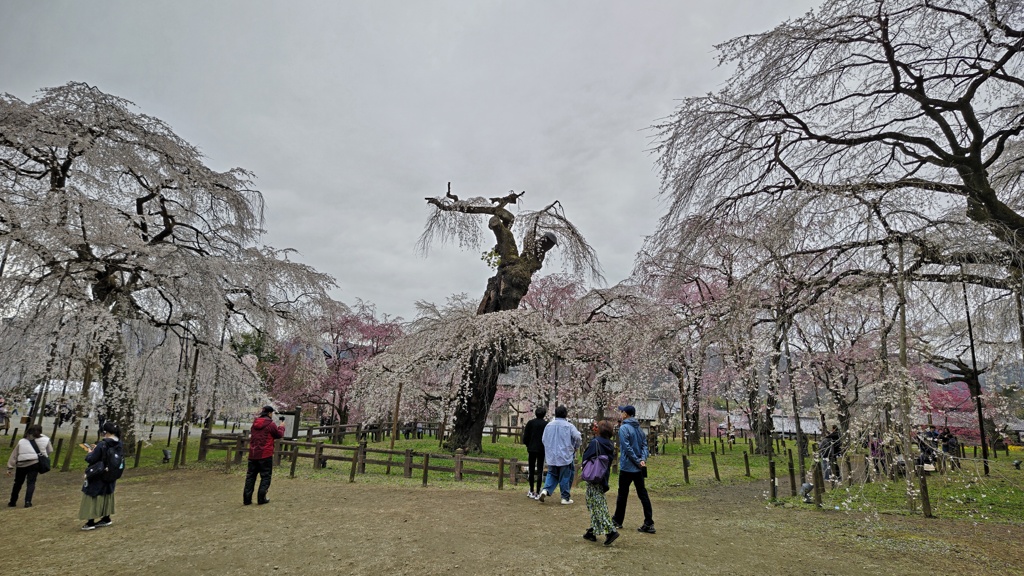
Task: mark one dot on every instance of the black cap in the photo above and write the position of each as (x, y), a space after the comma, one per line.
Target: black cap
(267, 410)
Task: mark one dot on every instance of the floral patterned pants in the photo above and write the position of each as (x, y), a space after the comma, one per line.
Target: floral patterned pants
(600, 519)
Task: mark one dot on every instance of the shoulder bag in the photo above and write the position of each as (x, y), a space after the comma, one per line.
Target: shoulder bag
(44, 460)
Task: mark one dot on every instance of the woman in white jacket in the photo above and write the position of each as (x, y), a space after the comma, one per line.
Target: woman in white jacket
(25, 459)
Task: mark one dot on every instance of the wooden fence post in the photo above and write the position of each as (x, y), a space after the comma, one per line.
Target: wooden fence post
(501, 473)
(426, 468)
(926, 503)
(407, 467)
(686, 469)
(514, 471)
(362, 457)
(295, 460)
(138, 453)
(774, 488)
(14, 437)
(819, 480)
(355, 464)
(746, 462)
(239, 443)
(318, 452)
(458, 464)
(227, 459)
(714, 463)
(792, 474)
(204, 438)
(177, 455)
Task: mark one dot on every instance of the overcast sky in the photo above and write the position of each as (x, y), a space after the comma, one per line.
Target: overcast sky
(351, 113)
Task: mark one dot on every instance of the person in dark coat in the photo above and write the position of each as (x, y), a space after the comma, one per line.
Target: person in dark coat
(261, 455)
(97, 493)
(533, 434)
(600, 519)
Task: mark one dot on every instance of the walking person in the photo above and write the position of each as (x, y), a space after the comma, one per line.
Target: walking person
(5, 417)
(24, 462)
(98, 491)
(533, 438)
(561, 440)
(261, 455)
(600, 520)
(632, 469)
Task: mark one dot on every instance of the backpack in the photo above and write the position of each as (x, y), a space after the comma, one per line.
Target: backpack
(113, 461)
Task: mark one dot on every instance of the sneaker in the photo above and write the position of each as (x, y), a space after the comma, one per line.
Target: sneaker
(610, 538)
(564, 501)
(543, 494)
(89, 526)
(589, 535)
(28, 504)
(12, 504)
(531, 494)
(647, 529)
(104, 522)
(617, 524)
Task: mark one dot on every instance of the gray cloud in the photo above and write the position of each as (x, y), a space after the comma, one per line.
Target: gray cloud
(350, 113)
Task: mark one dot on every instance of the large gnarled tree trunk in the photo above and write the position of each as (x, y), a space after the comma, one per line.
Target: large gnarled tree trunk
(504, 291)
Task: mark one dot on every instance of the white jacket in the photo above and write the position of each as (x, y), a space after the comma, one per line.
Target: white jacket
(24, 455)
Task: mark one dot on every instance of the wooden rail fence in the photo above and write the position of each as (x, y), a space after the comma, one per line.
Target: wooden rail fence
(320, 453)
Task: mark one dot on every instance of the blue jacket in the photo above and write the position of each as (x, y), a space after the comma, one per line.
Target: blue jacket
(632, 446)
(561, 439)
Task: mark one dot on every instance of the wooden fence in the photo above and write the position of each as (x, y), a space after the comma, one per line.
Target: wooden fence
(359, 455)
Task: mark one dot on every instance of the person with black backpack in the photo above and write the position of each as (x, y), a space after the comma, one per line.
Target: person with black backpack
(26, 458)
(106, 464)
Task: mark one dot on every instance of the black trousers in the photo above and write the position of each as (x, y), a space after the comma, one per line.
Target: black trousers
(264, 468)
(28, 473)
(535, 467)
(637, 479)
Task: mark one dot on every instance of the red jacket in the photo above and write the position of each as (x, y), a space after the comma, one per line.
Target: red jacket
(261, 438)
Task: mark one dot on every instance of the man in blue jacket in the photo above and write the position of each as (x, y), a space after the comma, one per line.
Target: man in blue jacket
(561, 441)
(632, 469)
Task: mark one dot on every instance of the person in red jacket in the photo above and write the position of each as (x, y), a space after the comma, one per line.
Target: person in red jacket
(261, 455)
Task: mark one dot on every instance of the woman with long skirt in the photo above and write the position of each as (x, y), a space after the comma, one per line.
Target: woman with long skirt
(98, 493)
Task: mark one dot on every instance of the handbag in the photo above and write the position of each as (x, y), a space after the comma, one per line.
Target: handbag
(595, 468)
(97, 469)
(44, 460)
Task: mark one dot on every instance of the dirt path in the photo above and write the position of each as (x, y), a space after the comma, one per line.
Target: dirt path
(192, 522)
